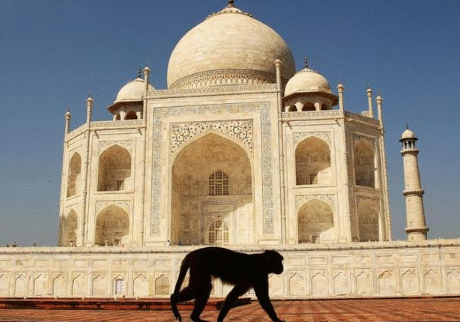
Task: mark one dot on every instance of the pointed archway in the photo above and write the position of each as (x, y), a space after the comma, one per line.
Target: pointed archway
(112, 227)
(315, 222)
(211, 197)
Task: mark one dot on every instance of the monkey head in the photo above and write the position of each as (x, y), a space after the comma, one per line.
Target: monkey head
(274, 261)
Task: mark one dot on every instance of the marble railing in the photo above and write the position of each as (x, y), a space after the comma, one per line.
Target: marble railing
(374, 269)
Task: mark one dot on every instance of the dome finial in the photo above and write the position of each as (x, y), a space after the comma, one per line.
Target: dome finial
(306, 62)
(139, 72)
(231, 3)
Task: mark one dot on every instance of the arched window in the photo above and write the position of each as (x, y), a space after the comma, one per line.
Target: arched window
(131, 115)
(114, 169)
(313, 162)
(315, 222)
(218, 184)
(309, 106)
(293, 108)
(118, 117)
(73, 181)
(218, 232)
(364, 164)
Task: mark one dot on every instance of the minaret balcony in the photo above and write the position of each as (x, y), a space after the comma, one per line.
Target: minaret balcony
(413, 192)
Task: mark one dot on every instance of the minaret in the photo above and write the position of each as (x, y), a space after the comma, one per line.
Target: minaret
(416, 225)
(370, 113)
(68, 116)
(340, 88)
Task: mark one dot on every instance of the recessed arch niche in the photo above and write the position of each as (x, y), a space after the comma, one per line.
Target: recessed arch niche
(114, 169)
(313, 162)
(196, 202)
(315, 222)
(74, 178)
(364, 164)
(368, 220)
(70, 229)
(112, 226)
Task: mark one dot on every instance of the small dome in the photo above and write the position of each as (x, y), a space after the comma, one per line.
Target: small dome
(229, 46)
(408, 134)
(307, 80)
(133, 91)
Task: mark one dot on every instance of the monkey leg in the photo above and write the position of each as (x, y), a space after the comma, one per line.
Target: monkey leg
(261, 290)
(200, 302)
(186, 294)
(234, 294)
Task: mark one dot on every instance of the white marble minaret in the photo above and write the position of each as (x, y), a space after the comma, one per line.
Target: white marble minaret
(416, 226)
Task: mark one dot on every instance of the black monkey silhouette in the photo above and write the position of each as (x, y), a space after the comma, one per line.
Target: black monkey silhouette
(244, 271)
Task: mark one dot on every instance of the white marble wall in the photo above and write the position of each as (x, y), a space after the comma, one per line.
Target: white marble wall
(311, 271)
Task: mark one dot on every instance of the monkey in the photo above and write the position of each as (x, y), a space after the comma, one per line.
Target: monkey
(244, 271)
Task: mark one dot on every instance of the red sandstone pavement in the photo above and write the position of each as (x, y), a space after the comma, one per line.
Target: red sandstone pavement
(420, 309)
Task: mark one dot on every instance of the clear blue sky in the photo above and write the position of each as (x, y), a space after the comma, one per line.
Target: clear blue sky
(53, 53)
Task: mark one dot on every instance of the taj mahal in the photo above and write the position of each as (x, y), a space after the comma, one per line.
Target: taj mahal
(245, 151)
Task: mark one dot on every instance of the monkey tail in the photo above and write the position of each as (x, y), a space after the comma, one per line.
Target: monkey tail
(174, 297)
(183, 271)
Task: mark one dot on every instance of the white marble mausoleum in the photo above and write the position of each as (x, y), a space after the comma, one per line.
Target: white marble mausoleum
(245, 151)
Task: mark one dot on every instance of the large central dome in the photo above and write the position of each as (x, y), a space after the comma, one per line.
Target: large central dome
(229, 47)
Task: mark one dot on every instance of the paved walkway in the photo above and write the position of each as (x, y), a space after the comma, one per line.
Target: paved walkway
(424, 309)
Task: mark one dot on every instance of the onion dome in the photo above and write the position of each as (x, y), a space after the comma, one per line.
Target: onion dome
(408, 134)
(229, 47)
(307, 81)
(133, 91)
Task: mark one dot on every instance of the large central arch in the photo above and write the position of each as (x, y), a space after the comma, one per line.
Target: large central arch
(211, 195)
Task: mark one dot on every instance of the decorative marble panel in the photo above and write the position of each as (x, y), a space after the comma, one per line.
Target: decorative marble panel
(358, 137)
(141, 285)
(297, 285)
(123, 204)
(127, 144)
(79, 285)
(183, 133)
(387, 282)
(374, 200)
(341, 283)
(364, 282)
(40, 284)
(20, 287)
(4, 285)
(300, 200)
(59, 285)
(319, 284)
(432, 281)
(312, 114)
(323, 135)
(410, 282)
(213, 89)
(453, 280)
(99, 284)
